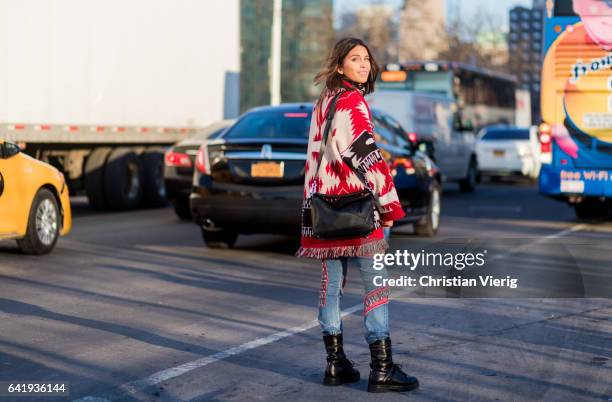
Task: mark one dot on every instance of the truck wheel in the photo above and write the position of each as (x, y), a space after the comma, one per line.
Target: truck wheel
(94, 178)
(468, 184)
(122, 179)
(44, 224)
(591, 209)
(182, 208)
(429, 226)
(223, 238)
(152, 178)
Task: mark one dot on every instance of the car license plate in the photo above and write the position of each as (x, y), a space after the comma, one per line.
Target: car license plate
(572, 186)
(499, 152)
(267, 169)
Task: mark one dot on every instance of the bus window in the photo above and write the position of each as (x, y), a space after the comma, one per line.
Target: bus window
(564, 8)
(482, 95)
(438, 81)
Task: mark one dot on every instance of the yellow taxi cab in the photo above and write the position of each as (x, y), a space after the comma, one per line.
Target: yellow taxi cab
(34, 202)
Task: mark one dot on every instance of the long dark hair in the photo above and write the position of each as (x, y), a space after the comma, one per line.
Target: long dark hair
(329, 74)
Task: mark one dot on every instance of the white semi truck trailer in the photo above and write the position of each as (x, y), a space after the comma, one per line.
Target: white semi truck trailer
(100, 88)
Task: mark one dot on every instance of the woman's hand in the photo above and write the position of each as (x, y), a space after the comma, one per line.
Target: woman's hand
(387, 224)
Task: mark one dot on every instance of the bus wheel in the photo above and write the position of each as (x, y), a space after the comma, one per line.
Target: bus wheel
(152, 178)
(94, 178)
(122, 179)
(591, 209)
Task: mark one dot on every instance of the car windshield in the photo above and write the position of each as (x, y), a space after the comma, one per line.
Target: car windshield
(516, 134)
(271, 124)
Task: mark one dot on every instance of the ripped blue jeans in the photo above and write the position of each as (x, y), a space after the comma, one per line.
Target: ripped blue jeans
(375, 302)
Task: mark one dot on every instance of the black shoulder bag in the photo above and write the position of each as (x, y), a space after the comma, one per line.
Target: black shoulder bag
(341, 216)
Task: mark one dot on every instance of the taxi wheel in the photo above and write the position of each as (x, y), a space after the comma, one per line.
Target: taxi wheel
(94, 178)
(43, 225)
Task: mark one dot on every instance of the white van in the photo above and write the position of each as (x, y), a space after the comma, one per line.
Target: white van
(432, 118)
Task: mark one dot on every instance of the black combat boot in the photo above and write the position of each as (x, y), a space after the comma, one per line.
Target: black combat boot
(339, 369)
(385, 375)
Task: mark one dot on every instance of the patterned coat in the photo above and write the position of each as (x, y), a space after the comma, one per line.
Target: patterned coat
(350, 146)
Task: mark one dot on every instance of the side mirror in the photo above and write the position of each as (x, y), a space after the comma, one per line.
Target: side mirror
(8, 150)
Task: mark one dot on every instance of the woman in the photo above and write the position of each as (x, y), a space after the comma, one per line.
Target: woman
(351, 72)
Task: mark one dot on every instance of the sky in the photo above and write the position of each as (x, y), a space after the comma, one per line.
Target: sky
(498, 8)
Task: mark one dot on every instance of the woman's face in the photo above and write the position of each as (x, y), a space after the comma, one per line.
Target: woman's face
(356, 65)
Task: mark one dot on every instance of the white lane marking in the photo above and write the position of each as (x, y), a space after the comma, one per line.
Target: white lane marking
(494, 208)
(131, 388)
(553, 236)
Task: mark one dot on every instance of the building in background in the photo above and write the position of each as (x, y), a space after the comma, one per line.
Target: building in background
(377, 25)
(422, 24)
(307, 37)
(525, 41)
(494, 45)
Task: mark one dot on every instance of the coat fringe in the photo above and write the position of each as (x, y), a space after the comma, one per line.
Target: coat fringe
(323, 253)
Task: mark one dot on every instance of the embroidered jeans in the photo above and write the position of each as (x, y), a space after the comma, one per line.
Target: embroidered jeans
(375, 302)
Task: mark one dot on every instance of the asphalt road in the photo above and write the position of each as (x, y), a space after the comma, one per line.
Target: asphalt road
(132, 306)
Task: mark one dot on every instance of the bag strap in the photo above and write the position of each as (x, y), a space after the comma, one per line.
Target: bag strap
(330, 116)
(328, 120)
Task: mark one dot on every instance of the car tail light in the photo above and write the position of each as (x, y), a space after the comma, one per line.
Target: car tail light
(201, 161)
(178, 159)
(413, 137)
(405, 163)
(545, 143)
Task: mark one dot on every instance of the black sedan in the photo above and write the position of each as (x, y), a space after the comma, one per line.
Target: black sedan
(250, 178)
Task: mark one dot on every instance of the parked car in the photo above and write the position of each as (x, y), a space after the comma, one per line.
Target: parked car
(508, 151)
(34, 202)
(179, 164)
(250, 179)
